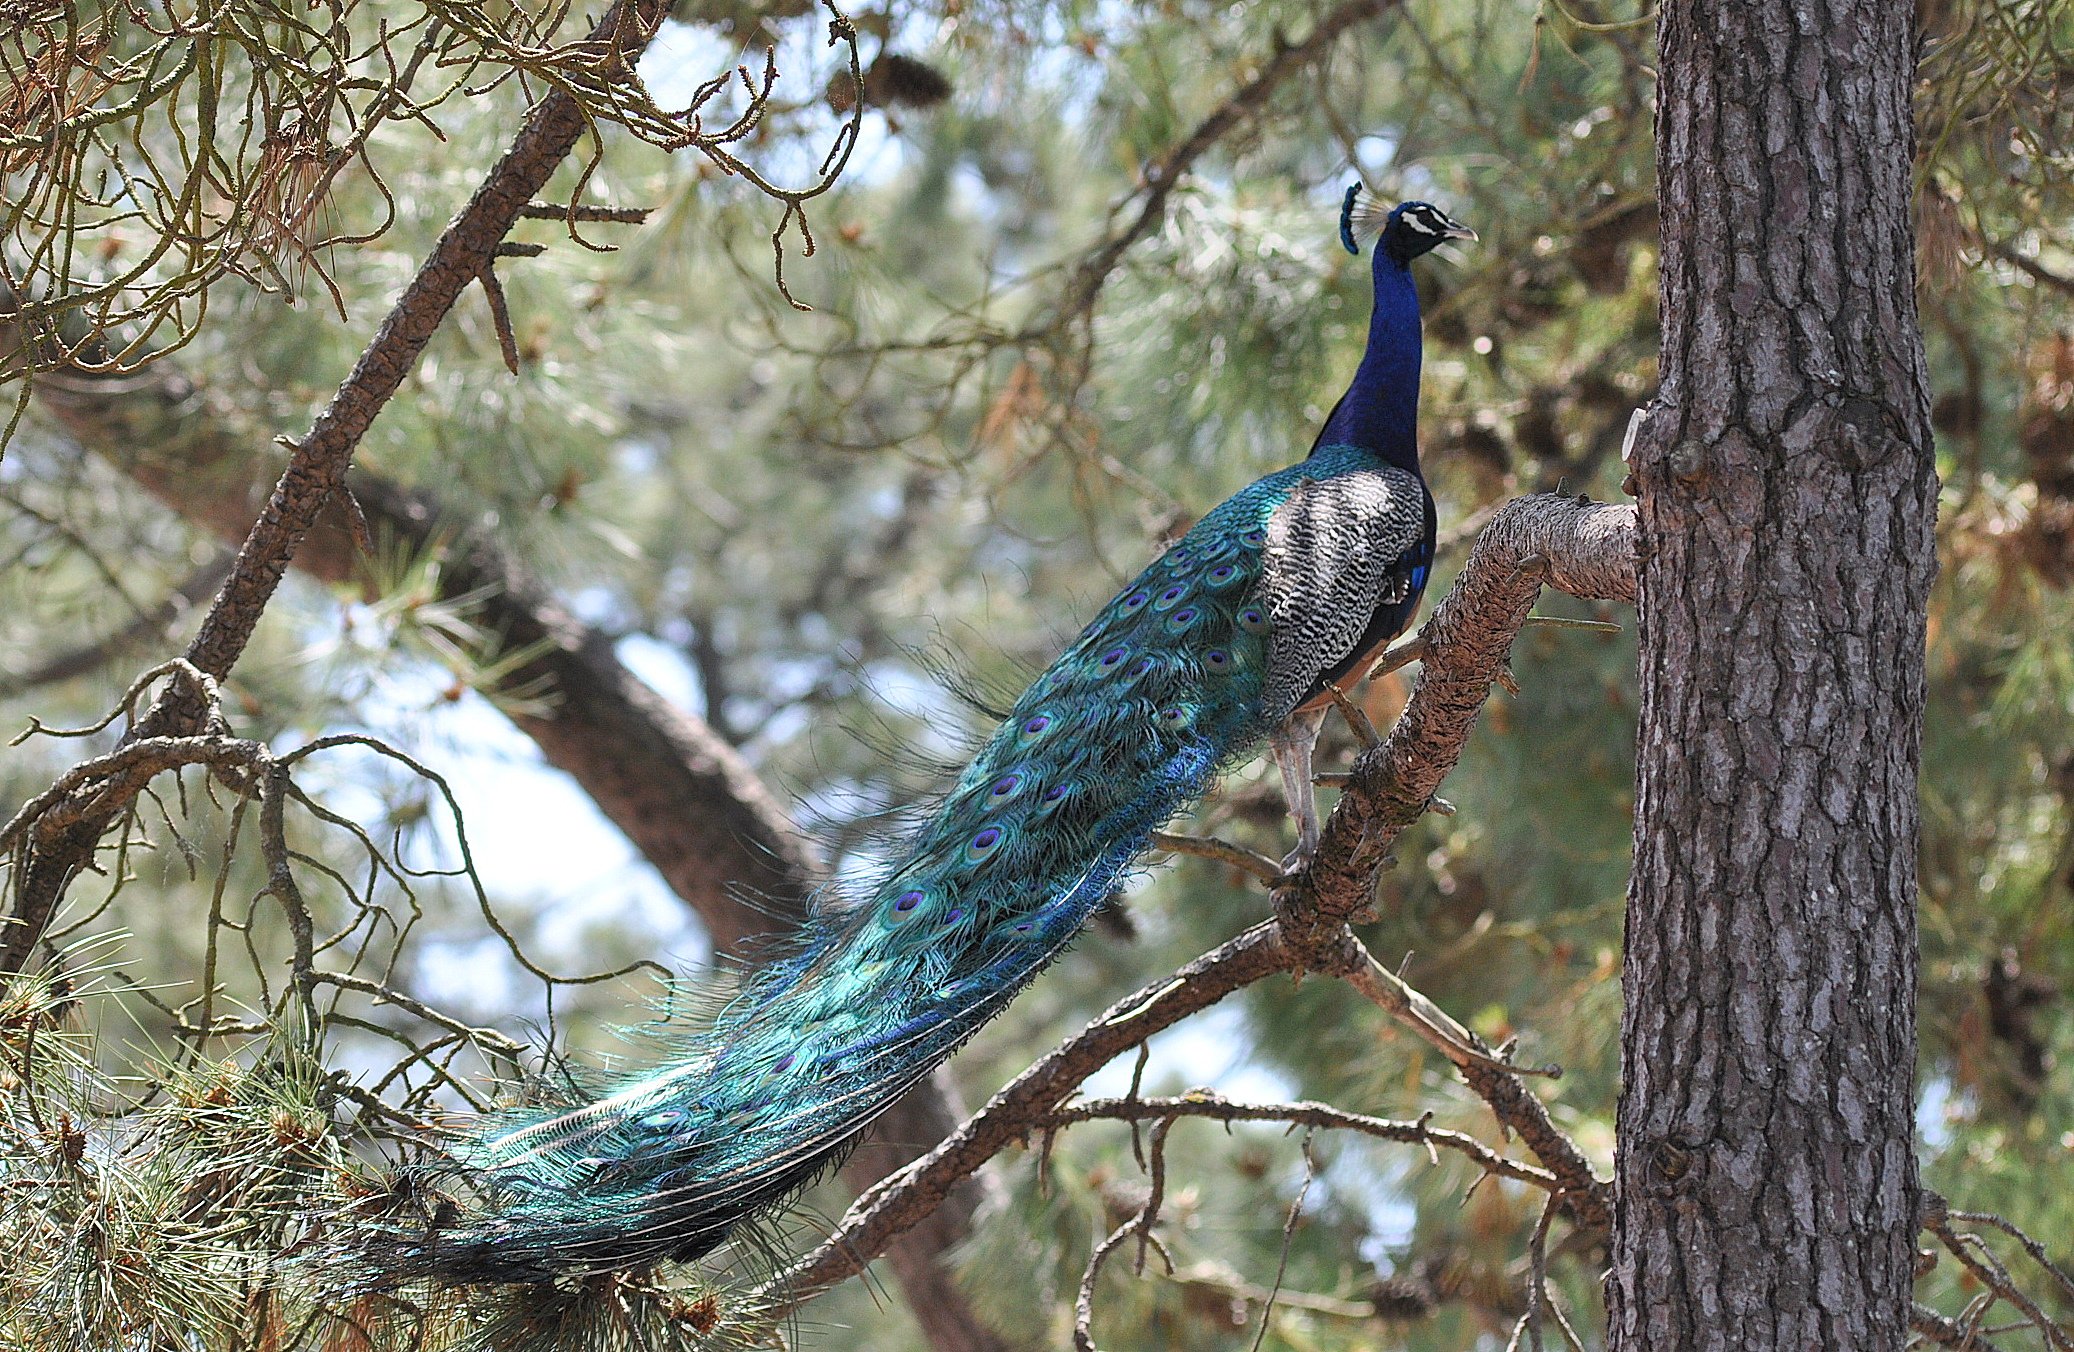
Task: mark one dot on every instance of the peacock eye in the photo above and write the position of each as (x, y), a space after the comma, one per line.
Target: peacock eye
(907, 901)
(1113, 656)
(1136, 600)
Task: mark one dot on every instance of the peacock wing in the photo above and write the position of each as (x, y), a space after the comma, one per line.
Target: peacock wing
(1341, 549)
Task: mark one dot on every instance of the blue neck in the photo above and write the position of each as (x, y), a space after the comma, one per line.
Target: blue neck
(1380, 410)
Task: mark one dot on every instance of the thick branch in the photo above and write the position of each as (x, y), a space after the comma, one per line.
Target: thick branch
(1570, 544)
(1584, 549)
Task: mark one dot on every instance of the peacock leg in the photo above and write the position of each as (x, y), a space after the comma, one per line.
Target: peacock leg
(1291, 746)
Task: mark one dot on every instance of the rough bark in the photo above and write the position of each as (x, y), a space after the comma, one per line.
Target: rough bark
(1765, 1190)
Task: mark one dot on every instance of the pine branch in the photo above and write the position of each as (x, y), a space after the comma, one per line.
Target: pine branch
(1162, 174)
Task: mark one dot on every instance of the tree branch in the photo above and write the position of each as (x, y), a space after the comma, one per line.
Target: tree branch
(462, 253)
(1570, 544)
(1203, 1103)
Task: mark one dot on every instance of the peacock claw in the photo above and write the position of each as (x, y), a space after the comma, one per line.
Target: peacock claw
(1291, 746)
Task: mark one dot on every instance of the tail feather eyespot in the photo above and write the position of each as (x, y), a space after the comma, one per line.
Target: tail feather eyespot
(983, 844)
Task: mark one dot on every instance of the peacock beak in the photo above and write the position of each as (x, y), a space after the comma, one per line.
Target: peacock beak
(1455, 230)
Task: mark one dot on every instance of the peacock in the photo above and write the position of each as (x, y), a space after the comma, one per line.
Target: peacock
(1233, 635)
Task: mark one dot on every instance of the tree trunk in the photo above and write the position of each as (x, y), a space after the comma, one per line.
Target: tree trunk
(1765, 1184)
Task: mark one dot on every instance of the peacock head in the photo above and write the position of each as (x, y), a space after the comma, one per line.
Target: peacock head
(1407, 229)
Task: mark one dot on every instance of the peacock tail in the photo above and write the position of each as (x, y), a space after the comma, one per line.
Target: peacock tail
(1281, 587)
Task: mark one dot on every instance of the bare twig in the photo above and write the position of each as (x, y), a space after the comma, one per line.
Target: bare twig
(1354, 964)
(1947, 1332)
(1223, 851)
(1140, 1225)
(2031, 1246)
(1201, 1103)
(1310, 1177)
(1974, 1254)
(500, 314)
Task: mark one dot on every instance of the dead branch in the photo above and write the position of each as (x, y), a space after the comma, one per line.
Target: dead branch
(1977, 1258)
(1946, 1332)
(1140, 1225)
(1203, 1103)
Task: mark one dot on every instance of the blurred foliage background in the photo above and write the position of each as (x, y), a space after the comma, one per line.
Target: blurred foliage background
(818, 529)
